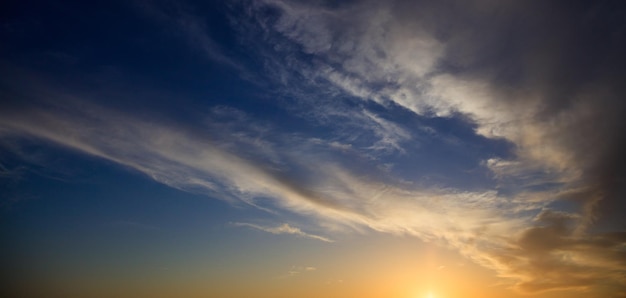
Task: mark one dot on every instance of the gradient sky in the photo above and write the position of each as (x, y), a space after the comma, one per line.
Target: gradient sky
(410, 149)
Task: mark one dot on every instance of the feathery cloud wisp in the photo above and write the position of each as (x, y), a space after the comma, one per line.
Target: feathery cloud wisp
(284, 229)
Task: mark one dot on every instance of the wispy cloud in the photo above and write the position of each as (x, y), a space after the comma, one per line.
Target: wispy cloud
(297, 270)
(442, 67)
(488, 228)
(390, 134)
(284, 229)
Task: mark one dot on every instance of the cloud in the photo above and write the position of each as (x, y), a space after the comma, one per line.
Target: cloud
(482, 225)
(380, 70)
(553, 94)
(297, 270)
(557, 258)
(390, 134)
(284, 229)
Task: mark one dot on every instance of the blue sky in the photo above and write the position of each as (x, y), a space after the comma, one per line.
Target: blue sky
(151, 141)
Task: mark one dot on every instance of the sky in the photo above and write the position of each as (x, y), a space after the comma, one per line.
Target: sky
(269, 148)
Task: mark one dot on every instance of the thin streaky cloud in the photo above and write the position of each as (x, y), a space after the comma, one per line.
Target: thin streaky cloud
(485, 227)
(284, 229)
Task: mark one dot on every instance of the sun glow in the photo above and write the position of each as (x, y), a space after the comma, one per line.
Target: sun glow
(430, 295)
